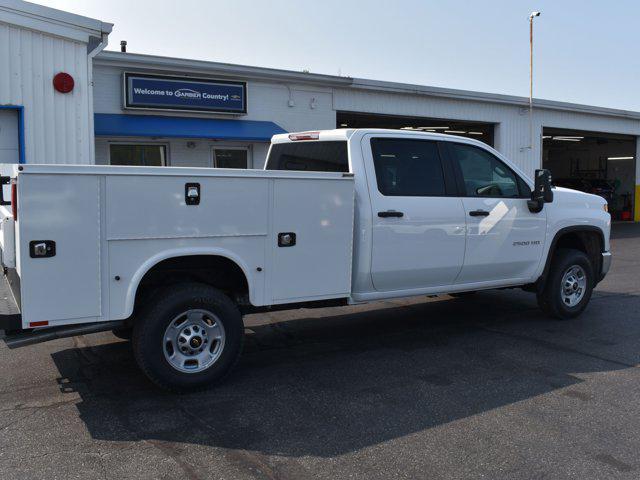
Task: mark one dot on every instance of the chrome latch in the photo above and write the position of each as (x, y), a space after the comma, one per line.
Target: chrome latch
(286, 239)
(192, 193)
(42, 248)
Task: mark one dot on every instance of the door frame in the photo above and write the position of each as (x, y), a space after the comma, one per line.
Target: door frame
(20, 110)
(375, 194)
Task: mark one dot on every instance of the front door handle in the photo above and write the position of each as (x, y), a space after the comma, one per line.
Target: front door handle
(479, 213)
(390, 213)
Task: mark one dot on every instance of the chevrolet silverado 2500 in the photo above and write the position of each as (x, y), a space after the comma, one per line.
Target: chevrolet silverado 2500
(173, 257)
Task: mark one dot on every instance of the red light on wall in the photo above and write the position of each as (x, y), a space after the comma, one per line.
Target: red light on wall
(63, 82)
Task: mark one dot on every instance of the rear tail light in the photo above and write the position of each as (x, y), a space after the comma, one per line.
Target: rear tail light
(304, 136)
(42, 323)
(14, 200)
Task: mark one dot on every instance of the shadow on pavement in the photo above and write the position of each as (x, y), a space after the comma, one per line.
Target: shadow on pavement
(325, 387)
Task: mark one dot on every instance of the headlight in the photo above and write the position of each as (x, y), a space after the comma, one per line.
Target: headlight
(606, 207)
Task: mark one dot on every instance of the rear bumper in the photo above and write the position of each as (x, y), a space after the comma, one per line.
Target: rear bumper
(606, 264)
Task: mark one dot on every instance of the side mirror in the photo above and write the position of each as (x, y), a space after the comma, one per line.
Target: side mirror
(542, 192)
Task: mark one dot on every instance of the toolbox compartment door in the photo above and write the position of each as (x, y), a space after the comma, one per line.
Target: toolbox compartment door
(64, 209)
(318, 213)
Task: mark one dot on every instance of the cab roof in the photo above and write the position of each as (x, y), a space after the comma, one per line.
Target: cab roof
(345, 134)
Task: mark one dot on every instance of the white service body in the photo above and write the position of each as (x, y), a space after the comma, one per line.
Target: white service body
(111, 222)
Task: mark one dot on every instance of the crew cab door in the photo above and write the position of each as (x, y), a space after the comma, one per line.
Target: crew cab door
(418, 237)
(504, 239)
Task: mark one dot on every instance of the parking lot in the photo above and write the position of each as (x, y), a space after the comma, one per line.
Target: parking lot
(482, 387)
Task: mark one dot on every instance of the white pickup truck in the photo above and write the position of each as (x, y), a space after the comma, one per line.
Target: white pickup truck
(173, 257)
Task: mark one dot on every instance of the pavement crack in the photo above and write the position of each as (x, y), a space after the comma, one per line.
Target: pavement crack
(171, 451)
(245, 458)
(36, 406)
(555, 346)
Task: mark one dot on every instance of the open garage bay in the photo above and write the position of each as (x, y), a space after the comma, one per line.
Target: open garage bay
(599, 163)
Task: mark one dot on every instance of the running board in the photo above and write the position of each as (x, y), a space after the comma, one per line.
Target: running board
(32, 337)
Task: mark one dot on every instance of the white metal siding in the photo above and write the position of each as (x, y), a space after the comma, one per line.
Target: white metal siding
(512, 132)
(56, 126)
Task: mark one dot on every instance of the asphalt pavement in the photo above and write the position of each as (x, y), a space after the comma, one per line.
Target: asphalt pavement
(479, 387)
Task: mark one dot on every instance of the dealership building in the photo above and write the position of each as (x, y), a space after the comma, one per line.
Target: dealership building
(64, 99)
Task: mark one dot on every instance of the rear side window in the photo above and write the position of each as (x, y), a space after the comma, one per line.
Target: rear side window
(309, 156)
(409, 168)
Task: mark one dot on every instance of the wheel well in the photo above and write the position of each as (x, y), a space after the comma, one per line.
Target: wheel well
(590, 242)
(217, 271)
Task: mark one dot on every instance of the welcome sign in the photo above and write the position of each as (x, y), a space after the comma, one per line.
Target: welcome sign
(177, 93)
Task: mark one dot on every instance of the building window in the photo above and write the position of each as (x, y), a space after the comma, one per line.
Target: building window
(138, 155)
(230, 158)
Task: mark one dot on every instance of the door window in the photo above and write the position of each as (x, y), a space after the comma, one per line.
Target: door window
(230, 158)
(483, 174)
(406, 167)
(138, 155)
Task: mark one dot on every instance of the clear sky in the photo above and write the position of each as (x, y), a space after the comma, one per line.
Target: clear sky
(586, 51)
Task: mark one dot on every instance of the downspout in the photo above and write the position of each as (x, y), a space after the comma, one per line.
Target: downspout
(102, 44)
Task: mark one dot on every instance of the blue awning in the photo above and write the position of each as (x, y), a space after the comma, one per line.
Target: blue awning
(117, 125)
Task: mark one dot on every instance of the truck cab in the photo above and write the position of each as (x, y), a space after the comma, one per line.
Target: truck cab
(443, 214)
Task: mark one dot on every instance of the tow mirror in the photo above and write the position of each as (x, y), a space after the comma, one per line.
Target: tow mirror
(542, 192)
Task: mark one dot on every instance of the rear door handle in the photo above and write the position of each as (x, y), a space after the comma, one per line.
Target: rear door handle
(390, 213)
(479, 213)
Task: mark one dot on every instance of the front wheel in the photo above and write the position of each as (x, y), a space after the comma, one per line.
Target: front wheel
(569, 285)
(187, 337)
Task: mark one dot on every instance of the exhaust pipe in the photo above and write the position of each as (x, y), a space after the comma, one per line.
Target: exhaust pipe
(32, 337)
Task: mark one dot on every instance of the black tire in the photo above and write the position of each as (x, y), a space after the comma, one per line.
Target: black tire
(161, 309)
(550, 300)
(123, 333)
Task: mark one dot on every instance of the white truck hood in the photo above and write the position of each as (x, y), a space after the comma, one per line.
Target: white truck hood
(570, 195)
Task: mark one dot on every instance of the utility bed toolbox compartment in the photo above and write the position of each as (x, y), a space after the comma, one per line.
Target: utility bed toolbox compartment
(86, 235)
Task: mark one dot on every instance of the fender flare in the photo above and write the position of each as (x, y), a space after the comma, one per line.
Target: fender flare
(151, 262)
(561, 232)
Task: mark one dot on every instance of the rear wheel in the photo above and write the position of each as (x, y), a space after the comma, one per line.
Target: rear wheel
(569, 285)
(187, 337)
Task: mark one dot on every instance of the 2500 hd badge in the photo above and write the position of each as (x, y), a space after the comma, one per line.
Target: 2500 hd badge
(526, 243)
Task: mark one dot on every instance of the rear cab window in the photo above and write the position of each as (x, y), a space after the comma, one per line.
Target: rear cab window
(408, 167)
(311, 156)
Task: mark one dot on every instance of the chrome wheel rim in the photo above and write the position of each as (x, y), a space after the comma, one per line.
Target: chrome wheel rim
(193, 341)
(573, 286)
